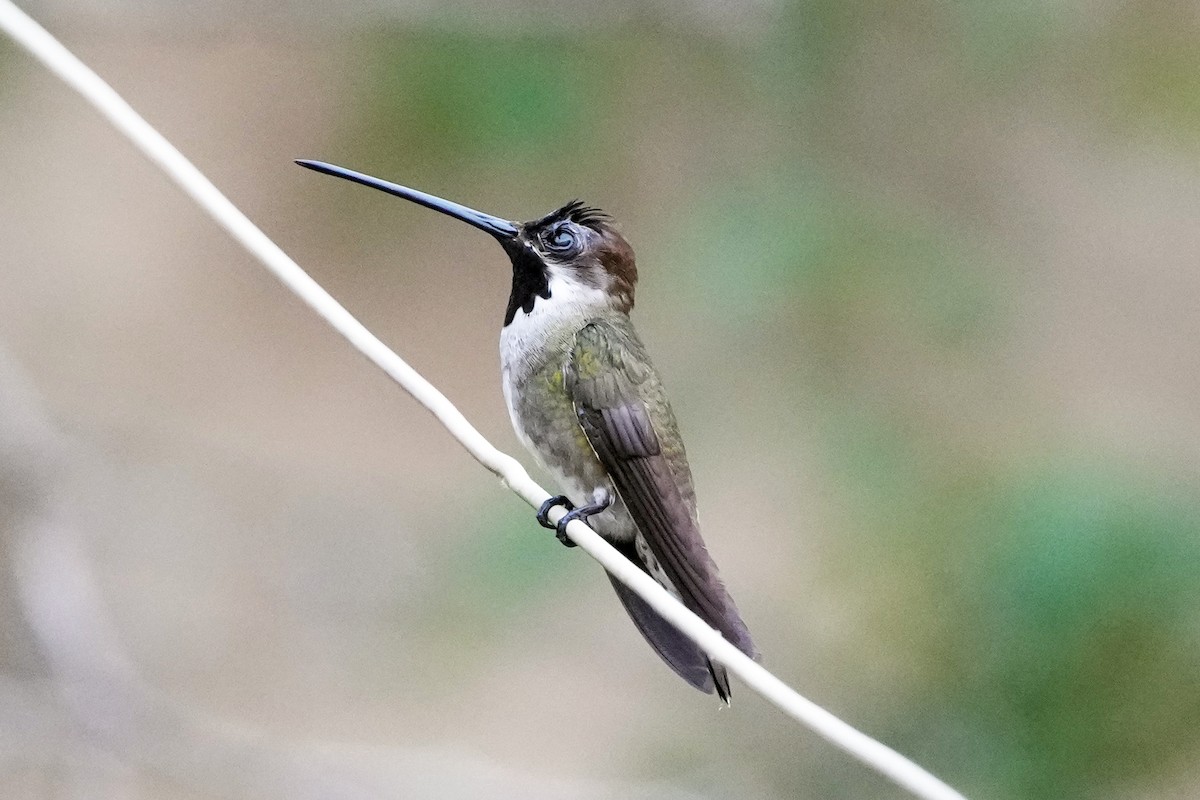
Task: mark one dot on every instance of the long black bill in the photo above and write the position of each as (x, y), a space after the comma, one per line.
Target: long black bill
(502, 229)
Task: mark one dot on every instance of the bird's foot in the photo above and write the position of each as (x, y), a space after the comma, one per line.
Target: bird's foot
(544, 512)
(581, 513)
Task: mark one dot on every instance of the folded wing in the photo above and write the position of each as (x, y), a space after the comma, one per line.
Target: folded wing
(614, 395)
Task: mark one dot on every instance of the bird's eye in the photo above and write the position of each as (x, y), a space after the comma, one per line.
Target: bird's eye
(561, 239)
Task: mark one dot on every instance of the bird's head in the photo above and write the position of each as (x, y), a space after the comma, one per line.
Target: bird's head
(573, 252)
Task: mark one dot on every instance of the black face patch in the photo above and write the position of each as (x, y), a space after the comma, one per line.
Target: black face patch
(529, 280)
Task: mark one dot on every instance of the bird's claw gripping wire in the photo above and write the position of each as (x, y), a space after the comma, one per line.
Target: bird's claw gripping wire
(573, 513)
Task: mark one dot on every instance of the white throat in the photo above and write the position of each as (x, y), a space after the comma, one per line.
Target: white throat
(531, 337)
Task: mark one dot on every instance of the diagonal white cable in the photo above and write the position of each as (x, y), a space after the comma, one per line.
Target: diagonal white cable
(80, 77)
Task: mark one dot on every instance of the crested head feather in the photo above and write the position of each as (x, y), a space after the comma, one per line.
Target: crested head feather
(576, 212)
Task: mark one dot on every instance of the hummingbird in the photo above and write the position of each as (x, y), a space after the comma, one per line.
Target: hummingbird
(585, 399)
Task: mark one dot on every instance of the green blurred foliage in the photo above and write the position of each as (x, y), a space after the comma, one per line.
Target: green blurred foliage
(1150, 73)
(1055, 605)
(466, 100)
(788, 242)
(509, 566)
(1084, 631)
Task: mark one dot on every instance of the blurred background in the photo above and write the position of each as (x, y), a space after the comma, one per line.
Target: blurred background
(922, 283)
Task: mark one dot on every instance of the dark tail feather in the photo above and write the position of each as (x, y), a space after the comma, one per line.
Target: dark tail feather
(721, 681)
(678, 651)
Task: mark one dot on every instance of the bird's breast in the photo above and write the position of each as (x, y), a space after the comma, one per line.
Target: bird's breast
(543, 414)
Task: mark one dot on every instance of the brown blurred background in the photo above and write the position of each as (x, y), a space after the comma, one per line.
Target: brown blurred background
(923, 285)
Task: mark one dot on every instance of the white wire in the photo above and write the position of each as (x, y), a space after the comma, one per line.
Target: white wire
(80, 77)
